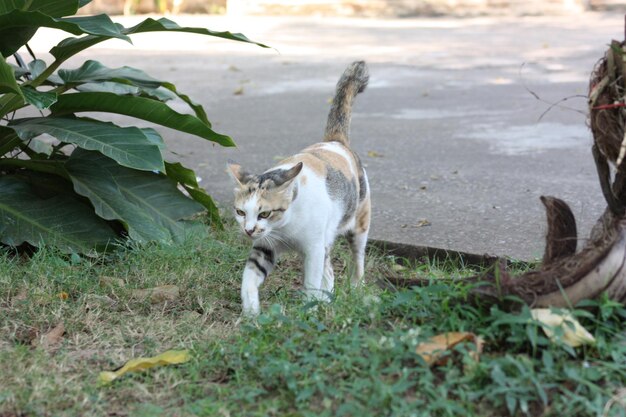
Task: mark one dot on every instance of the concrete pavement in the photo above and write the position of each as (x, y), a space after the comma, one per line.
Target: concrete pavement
(448, 130)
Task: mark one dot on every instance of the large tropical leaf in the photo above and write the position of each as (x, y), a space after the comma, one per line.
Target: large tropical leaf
(8, 140)
(62, 221)
(150, 205)
(140, 108)
(187, 178)
(92, 71)
(128, 146)
(40, 99)
(71, 46)
(54, 8)
(8, 84)
(17, 26)
(166, 25)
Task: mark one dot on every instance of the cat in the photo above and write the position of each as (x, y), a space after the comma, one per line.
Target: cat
(305, 202)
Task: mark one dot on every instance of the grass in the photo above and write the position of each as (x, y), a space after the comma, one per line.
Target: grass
(352, 357)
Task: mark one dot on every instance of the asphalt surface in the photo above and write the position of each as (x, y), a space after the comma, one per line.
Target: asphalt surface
(457, 146)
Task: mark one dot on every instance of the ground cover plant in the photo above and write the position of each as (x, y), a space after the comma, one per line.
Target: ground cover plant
(355, 356)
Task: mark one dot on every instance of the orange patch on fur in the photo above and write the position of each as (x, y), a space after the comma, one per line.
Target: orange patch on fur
(335, 160)
(363, 216)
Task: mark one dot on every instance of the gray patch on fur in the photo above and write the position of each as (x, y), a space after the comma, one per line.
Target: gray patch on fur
(272, 177)
(362, 182)
(344, 190)
(295, 193)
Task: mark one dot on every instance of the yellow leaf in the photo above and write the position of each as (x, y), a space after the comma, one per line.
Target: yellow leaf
(573, 333)
(434, 348)
(63, 295)
(374, 154)
(422, 223)
(171, 357)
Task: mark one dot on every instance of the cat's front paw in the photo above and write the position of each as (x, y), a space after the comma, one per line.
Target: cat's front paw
(250, 302)
(250, 313)
(311, 294)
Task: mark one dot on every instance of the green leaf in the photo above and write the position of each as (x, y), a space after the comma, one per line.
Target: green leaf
(154, 137)
(71, 46)
(13, 38)
(181, 174)
(55, 167)
(138, 107)
(8, 140)
(197, 108)
(150, 205)
(94, 71)
(109, 87)
(18, 26)
(166, 25)
(122, 89)
(128, 146)
(187, 178)
(54, 8)
(62, 221)
(40, 99)
(100, 25)
(8, 84)
(36, 67)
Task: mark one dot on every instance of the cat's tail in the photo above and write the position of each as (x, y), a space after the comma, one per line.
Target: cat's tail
(352, 82)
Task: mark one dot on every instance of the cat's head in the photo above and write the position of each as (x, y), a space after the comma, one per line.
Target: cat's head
(262, 201)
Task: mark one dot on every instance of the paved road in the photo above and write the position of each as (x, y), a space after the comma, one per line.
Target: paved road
(452, 138)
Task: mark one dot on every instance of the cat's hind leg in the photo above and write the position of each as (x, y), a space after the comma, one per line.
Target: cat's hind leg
(258, 266)
(357, 238)
(328, 280)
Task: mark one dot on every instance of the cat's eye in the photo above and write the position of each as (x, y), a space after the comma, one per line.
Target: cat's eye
(264, 214)
(240, 212)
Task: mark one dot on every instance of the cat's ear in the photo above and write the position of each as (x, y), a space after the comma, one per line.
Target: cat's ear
(236, 173)
(288, 176)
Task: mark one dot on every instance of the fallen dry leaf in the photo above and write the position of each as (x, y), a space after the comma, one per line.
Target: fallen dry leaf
(238, 91)
(422, 223)
(549, 320)
(22, 295)
(374, 154)
(51, 339)
(157, 294)
(63, 295)
(171, 357)
(434, 348)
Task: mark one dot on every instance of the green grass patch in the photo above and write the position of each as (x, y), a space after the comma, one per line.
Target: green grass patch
(352, 357)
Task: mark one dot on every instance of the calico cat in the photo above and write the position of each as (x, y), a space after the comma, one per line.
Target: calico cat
(305, 202)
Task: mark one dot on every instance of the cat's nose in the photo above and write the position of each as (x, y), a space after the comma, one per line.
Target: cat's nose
(249, 232)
